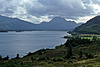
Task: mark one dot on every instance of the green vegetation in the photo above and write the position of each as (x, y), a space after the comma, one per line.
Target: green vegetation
(90, 27)
(76, 52)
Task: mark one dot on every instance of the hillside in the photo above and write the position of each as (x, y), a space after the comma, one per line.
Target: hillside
(90, 27)
(15, 24)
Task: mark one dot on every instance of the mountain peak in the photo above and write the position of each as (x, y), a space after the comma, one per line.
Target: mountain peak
(58, 19)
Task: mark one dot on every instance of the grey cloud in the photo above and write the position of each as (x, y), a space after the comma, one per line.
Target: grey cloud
(96, 1)
(70, 9)
(62, 8)
(86, 1)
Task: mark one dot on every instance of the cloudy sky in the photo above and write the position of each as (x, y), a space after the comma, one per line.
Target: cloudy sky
(37, 11)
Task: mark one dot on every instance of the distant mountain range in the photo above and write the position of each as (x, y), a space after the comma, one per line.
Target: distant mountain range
(15, 24)
(57, 23)
(92, 26)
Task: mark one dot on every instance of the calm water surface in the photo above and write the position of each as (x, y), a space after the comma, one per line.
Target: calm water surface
(12, 43)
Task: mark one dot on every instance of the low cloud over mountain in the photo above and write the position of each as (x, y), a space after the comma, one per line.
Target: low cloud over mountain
(38, 10)
(15, 24)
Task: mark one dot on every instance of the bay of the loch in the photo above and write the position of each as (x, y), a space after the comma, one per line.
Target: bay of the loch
(12, 43)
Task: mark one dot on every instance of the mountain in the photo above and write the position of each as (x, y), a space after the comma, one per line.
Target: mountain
(92, 26)
(15, 24)
(57, 23)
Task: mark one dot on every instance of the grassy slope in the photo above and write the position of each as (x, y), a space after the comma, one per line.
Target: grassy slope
(54, 53)
(92, 26)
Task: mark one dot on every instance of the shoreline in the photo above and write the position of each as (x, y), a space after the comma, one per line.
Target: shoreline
(58, 56)
(12, 54)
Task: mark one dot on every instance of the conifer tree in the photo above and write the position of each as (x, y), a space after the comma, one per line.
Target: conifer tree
(69, 52)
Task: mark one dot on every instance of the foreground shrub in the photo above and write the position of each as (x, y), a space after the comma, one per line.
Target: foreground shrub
(58, 59)
(42, 59)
